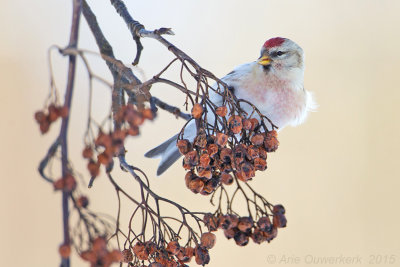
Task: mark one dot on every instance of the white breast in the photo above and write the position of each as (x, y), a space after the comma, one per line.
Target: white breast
(283, 100)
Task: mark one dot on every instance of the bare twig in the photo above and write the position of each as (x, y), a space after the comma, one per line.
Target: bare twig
(174, 110)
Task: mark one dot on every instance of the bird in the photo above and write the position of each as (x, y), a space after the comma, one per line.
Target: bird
(274, 83)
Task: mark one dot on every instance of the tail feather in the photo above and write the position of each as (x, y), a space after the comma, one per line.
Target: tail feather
(168, 152)
(168, 161)
(159, 150)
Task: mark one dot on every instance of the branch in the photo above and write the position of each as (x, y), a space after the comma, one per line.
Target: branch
(121, 74)
(174, 110)
(64, 125)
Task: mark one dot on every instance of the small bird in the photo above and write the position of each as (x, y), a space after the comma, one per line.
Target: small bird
(273, 83)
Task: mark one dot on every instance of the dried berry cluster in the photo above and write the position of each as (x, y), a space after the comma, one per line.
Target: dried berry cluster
(169, 255)
(241, 229)
(45, 118)
(217, 158)
(66, 183)
(99, 255)
(110, 144)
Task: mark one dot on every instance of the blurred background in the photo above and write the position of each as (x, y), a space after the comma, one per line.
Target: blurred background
(337, 175)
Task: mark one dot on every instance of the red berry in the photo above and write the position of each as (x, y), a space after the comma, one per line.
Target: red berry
(197, 111)
(208, 240)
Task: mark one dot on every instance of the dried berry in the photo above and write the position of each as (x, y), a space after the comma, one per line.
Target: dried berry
(271, 234)
(230, 233)
(271, 142)
(204, 161)
(40, 117)
(69, 183)
(211, 222)
(132, 116)
(160, 262)
(212, 149)
(89, 256)
(225, 222)
(204, 172)
(258, 236)
(44, 126)
(257, 139)
(264, 224)
(222, 139)
(201, 255)
(245, 224)
(94, 168)
(59, 184)
(235, 124)
(221, 111)
(184, 146)
(239, 153)
(278, 209)
(208, 240)
(151, 247)
(147, 114)
(252, 152)
(196, 185)
(191, 159)
(173, 247)
(65, 251)
(229, 221)
(115, 256)
(127, 255)
(226, 178)
(118, 135)
(190, 176)
(254, 123)
(241, 238)
(189, 252)
(82, 202)
(63, 111)
(262, 153)
(99, 244)
(104, 158)
(87, 153)
(247, 125)
(103, 140)
(140, 251)
(185, 254)
(279, 218)
(197, 111)
(260, 164)
(208, 188)
(54, 113)
(201, 139)
(133, 130)
(226, 155)
(247, 171)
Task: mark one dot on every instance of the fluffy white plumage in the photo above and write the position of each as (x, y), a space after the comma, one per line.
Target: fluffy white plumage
(273, 83)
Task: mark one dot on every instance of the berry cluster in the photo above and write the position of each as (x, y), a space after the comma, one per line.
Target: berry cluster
(45, 118)
(217, 158)
(66, 183)
(241, 229)
(110, 144)
(98, 255)
(170, 254)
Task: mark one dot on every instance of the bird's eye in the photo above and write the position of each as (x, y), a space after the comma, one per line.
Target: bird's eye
(279, 53)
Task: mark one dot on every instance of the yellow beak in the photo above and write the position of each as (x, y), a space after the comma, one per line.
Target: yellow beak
(264, 60)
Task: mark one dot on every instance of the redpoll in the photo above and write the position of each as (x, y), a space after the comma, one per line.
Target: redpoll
(273, 83)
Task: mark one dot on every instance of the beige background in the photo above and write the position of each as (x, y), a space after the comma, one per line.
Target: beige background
(337, 174)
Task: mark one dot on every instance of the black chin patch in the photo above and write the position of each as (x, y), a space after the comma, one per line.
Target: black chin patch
(267, 68)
